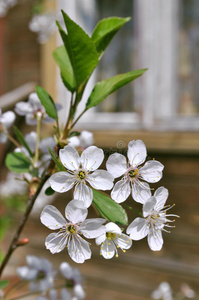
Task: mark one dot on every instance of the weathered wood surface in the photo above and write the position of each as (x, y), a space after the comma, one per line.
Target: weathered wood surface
(136, 273)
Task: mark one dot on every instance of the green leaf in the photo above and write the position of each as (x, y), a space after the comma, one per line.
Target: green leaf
(47, 102)
(81, 50)
(73, 133)
(3, 284)
(49, 191)
(109, 209)
(106, 87)
(105, 31)
(62, 59)
(21, 139)
(58, 164)
(17, 162)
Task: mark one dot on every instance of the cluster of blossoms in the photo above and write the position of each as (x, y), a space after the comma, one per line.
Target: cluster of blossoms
(82, 175)
(81, 161)
(42, 277)
(165, 292)
(5, 5)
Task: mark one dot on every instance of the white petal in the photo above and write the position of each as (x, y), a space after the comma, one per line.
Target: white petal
(69, 158)
(113, 228)
(148, 206)
(56, 242)
(136, 152)
(23, 108)
(65, 295)
(161, 195)
(123, 241)
(62, 182)
(83, 193)
(116, 164)
(66, 270)
(3, 138)
(52, 218)
(138, 229)
(46, 143)
(26, 273)
(7, 119)
(155, 241)
(31, 119)
(79, 291)
(33, 261)
(92, 158)
(101, 180)
(121, 191)
(93, 228)
(86, 139)
(31, 139)
(108, 249)
(100, 239)
(75, 211)
(74, 141)
(141, 193)
(34, 99)
(79, 249)
(152, 171)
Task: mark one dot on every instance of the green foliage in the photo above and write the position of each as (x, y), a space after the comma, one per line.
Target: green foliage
(3, 284)
(47, 102)
(17, 162)
(105, 31)
(81, 50)
(58, 164)
(106, 87)
(22, 140)
(73, 133)
(109, 209)
(62, 59)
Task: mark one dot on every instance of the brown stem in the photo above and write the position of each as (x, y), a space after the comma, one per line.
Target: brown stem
(22, 223)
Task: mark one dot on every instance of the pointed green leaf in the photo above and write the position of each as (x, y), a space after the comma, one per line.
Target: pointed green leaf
(104, 88)
(81, 50)
(3, 284)
(21, 139)
(47, 102)
(109, 209)
(62, 59)
(105, 31)
(58, 164)
(17, 162)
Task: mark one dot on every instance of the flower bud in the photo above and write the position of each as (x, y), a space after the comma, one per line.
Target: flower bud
(23, 242)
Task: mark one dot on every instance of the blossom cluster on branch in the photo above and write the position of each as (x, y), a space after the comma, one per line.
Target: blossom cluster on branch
(68, 160)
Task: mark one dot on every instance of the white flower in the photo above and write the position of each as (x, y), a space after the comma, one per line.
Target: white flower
(53, 295)
(154, 221)
(187, 291)
(83, 141)
(133, 173)
(39, 272)
(71, 229)
(5, 5)
(80, 172)
(111, 240)
(32, 108)
(163, 292)
(73, 275)
(6, 120)
(44, 25)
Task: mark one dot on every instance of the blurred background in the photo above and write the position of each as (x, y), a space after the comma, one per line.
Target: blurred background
(161, 108)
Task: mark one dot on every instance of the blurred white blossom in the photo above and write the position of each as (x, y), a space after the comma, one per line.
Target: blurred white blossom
(5, 5)
(163, 292)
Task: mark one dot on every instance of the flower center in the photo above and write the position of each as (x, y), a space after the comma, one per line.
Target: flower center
(41, 275)
(133, 173)
(81, 175)
(110, 235)
(72, 229)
